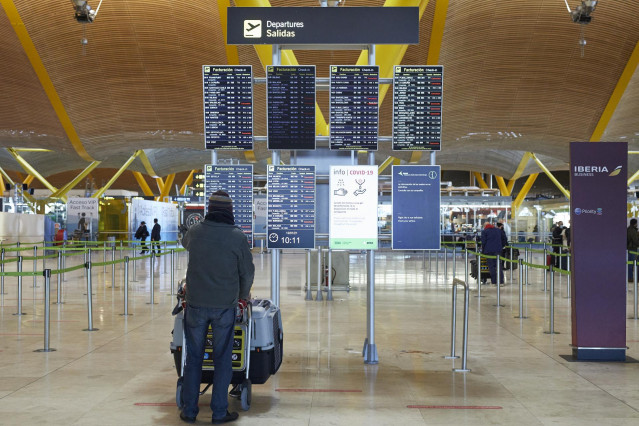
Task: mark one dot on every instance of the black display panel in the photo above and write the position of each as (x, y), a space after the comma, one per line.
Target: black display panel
(237, 181)
(417, 108)
(354, 116)
(290, 100)
(228, 106)
(291, 207)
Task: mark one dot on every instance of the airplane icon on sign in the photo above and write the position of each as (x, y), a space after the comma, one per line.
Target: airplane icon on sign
(252, 28)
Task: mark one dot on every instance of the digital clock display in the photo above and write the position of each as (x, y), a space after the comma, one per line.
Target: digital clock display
(291, 207)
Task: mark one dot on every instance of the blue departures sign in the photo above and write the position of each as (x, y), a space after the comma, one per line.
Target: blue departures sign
(291, 207)
(237, 181)
(416, 200)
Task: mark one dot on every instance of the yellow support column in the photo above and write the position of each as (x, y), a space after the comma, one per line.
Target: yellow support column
(524, 191)
(146, 190)
(502, 186)
(187, 182)
(480, 180)
(115, 177)
(62, 192)
(29, 169)
(167, 186)
(550, 176)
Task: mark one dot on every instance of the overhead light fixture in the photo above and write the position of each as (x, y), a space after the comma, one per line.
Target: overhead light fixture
(83, 12)
(582, 15)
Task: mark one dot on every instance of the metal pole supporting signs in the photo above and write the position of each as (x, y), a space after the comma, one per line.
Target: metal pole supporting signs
(309, 292)
(320, 296)
(47, 311)
(329, 275)
(370, 356)
(89, 297)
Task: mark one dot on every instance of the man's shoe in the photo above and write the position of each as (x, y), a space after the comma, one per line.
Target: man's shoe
(230, 417)
(186, 418)
(235, 392)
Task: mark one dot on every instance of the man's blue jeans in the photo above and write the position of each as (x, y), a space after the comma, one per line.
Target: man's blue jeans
(631, 268)
(197, 322)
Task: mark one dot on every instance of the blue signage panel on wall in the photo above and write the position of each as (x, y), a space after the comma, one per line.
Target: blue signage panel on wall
(291, 207)
(290, 101)
(237, 181)
(228, 106)
(416, 201)
(354, 108)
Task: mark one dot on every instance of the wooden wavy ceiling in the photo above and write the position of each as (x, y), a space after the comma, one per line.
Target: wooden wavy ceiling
(514, 81)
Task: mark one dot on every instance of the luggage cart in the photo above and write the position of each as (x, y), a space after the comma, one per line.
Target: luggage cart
(258, 347)
(485, 272)
(240, 355)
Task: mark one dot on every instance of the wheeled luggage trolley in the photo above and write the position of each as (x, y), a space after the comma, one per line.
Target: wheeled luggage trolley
(257, 347)
(485, 273)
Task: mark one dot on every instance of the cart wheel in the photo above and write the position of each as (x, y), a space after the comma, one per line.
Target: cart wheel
(178, 393)
(245, 398)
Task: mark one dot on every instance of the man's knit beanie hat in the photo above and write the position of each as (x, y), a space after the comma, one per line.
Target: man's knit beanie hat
(220, 201)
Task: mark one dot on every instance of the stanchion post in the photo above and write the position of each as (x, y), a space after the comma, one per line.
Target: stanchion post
(135, 269)
(64, 263)
(466, 264)
(521, 291)
(104, 259)
(126, 286)
(453, 323)
(113, 267)
(545, 270)
(20, 287)
(329, 276)
(511, 264)
(320, 296)
(309, 292)
(59, 295)
(569, 277)
(163, 253)
(35, 265)
(454, 261)
(552, 303)
(89, 296)
(152, 283)
(527, 261)
(2, 270)
(636, 279)
(172, 277)
(478, 275)
(47, 311)
(499, 271)
(445, 264)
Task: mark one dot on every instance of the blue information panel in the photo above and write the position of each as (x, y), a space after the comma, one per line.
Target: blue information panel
(354, 105)
(417, 108)
(291, 207)
(237, 181)
(228, 107)
(290, 100)
(416, 200)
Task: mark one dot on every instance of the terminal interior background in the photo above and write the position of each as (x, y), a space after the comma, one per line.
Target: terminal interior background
(521, 78)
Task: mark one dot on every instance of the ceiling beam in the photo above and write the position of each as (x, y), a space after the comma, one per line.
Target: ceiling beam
(30, 170)
(168, 183)
(617, 93)
(36, 62)
(502, 186)
(550, 176)
(480, 180)
(524, 191)
(62, 192)
(102, 190)
(146, 190)
(187, 182)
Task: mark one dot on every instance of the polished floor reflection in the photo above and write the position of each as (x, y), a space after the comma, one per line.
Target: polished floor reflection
(123, 373)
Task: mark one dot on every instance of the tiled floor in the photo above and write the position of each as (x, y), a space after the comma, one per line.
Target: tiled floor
(123, 373)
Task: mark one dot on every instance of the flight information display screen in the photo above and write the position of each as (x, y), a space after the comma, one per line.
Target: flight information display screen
(354, 116)
(237, 181)
(290, 100)
(417, 108)
(228, 106)
(291, 207)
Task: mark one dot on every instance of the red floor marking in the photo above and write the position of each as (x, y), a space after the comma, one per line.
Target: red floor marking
(317, 390)
(161, 404)
(457, 407)
(21, 334)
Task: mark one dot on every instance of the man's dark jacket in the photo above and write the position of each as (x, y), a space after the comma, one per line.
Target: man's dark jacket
(155, 232)
(220, 267)
(493, 240)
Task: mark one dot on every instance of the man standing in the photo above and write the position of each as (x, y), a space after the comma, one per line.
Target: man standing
(142, 233)
(220, 272)
(493, 241)
(155, 236)
(632, 244)
(557, 242)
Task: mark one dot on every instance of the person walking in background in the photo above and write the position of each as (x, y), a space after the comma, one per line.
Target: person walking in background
(632, 244)
(493, 241)
(219, 274)
(557, 242)
(155, 237)
(142, 233)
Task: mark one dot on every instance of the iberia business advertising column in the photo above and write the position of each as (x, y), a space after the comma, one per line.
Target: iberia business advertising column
(353, 208)
(598, 193)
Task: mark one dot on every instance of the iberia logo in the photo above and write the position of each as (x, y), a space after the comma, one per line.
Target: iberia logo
(616, 171)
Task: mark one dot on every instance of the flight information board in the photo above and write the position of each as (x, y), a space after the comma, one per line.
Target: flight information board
(354, 115)
(417, 108)
(290, 100)
(237, 181)
(228, 107)
(291, 207)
